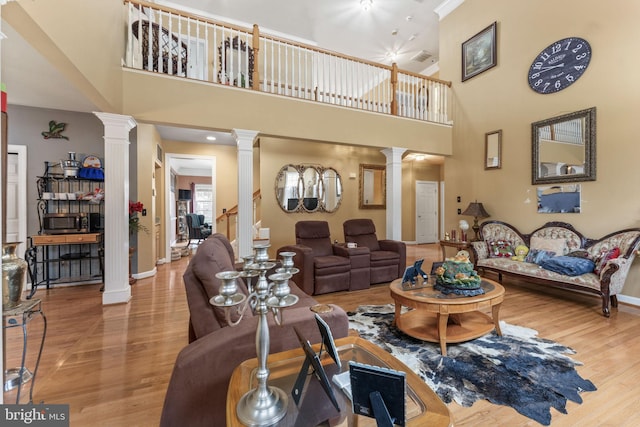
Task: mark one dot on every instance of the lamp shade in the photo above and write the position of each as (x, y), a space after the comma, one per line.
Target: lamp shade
(476, 210)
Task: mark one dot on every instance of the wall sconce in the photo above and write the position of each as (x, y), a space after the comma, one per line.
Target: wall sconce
(476, 210)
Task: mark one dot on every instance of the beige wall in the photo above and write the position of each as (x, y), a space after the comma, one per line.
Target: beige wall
(147, 140)
(277, 152)
(161, 99)
(82, 42)
(500, 98)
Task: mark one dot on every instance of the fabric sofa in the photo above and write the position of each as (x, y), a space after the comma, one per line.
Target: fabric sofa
(197, 390)
(560, 256)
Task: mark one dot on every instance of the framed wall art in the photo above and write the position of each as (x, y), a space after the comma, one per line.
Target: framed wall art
(479, 53)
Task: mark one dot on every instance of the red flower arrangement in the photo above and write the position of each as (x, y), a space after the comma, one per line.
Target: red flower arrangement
(134, 221)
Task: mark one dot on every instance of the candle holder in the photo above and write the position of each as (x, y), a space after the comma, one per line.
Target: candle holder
(263, 405)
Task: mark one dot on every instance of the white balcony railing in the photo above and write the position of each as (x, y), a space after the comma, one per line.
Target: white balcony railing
(169, 41)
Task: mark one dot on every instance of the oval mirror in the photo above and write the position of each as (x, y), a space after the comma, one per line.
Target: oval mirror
(564, 148)
(331, 195)
(312, 188)
(289, 188)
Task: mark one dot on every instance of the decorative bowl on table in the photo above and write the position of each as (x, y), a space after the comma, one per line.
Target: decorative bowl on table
(457, 276)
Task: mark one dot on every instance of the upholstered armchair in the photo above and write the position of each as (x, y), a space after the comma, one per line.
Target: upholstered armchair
(388, 258)
(198, 230)
(324, 267)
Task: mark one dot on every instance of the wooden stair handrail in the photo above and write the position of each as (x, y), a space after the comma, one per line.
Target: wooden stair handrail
(234, 211)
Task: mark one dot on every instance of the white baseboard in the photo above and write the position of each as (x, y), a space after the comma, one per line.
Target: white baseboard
(629, 300)
(117, 297)
(145, 274)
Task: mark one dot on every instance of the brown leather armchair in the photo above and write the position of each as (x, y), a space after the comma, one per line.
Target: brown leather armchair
(324, 267)
(388, 258)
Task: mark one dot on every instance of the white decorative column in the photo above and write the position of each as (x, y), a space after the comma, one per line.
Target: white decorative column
(394, 192)
(116, 207)
(245, 140)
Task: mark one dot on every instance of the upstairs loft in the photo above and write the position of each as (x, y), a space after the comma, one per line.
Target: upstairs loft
(243, 79)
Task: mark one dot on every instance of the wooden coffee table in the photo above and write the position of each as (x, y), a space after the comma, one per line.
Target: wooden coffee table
(437, 317)
(423, 406)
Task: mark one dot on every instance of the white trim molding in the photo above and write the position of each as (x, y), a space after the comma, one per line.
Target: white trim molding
(446, 7)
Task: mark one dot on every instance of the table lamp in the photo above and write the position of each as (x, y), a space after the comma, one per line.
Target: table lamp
(476, 210)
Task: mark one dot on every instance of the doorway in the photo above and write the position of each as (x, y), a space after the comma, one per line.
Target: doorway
(17, 197)
(196, 165)
(426, 212)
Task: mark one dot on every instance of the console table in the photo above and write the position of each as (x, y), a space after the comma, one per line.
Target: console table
(64, 258)
(458, 244)
(15, 317)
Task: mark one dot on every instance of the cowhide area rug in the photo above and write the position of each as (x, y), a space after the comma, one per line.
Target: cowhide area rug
(520, 370)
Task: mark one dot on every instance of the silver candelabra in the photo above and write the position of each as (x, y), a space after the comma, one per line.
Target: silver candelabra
(263, 405)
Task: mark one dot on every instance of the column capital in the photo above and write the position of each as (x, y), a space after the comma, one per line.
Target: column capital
(116, 126)
(393, 154)
(244, 138)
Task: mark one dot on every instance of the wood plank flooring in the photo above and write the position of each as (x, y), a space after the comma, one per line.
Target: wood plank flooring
(112, 364)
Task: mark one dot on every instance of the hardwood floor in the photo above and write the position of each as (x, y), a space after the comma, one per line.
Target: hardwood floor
(112, 364)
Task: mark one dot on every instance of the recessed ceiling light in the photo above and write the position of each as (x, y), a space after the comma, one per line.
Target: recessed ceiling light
(413, 36)
(409, 18)
(394, 32)
(211, 138)
(366, 4)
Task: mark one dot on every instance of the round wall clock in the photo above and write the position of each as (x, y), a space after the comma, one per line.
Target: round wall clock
(559, 65)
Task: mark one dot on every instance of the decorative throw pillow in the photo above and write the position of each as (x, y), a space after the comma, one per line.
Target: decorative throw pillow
(604, 257)
(537, 256)
(569, 266)
(500, 249)
(559, 246)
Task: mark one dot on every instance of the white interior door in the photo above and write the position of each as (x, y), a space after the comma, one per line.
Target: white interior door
(426, 212)
(17, 197)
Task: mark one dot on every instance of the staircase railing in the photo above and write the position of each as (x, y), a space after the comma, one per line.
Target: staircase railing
(166, 40)
(229, 219)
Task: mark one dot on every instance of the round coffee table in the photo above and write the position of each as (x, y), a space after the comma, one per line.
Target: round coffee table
(437, 317)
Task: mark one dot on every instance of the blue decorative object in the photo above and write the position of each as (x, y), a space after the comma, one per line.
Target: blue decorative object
(458, 291)
(411, 273)
(569, 266)
(538, 256)
(94, 174)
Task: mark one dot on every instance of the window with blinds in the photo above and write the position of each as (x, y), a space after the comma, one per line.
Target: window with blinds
(203, 202)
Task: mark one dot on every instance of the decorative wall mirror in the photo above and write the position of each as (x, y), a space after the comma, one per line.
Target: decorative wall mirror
(237, 62)
(493, 150)
(564, 148)
(308, 188)
(372, 188)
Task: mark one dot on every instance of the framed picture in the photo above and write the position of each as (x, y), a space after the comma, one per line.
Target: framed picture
(479, 53)
(493, 150)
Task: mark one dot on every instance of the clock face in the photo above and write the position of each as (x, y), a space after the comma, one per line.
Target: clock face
(559, 65)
